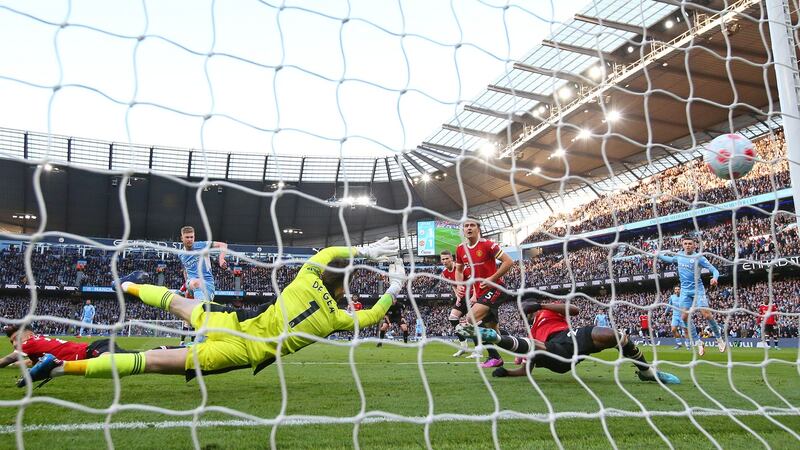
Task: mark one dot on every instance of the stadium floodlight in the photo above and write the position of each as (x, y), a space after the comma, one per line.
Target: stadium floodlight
(558, 153)
(630, 49)
(536, 170)
(669, 24)
(488, 148)
(48, 167)
(583, 134)
(426, 178)
(565, 93)
(23, 216)
(613, 116)
(596, 72)
(541, 109)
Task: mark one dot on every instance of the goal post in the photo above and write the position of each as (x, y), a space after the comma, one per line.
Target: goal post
(784, 57)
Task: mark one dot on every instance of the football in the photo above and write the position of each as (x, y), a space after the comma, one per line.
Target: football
(729, 156)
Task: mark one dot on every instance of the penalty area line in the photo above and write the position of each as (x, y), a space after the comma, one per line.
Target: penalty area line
(544, 418)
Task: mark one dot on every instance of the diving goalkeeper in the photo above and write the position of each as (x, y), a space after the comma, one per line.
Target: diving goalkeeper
(305, 311)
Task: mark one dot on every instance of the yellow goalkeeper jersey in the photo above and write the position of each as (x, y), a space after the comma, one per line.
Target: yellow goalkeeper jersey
(306, 306)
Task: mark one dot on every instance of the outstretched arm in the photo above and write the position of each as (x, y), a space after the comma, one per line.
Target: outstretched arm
(9, 359)
(345, 321)
(318, 262)
(380, 250)
(366, 317)
(667, 259)
(520, 371)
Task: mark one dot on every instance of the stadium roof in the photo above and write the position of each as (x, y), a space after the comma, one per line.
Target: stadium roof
(544, 121)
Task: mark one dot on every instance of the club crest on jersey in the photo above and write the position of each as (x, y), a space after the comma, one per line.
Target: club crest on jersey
(479, 253)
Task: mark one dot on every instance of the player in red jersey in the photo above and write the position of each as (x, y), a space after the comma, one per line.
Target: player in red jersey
(33, 346)
(644, 323)
(482, 255)
(460, 307)
(554, 345)
(767, 317)
(355, 305)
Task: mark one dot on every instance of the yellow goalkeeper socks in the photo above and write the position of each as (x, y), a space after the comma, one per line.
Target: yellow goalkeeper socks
(157, 296)
(100, 367)
(75, 367)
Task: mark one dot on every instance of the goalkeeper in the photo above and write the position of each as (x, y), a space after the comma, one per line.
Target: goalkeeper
(305, 311)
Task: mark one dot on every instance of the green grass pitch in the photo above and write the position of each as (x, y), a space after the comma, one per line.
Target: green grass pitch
(319, 381)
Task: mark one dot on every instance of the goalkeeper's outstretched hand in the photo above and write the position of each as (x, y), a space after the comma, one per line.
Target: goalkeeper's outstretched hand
(381, 250)
(397, 272)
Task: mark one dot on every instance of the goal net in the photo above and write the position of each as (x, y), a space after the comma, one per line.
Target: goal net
(158, 328)
(586, 139)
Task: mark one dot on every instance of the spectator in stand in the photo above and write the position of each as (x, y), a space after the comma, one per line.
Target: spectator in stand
(674, 190)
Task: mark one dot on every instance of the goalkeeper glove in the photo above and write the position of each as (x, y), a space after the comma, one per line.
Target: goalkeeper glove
(380, 250)
(397, 271)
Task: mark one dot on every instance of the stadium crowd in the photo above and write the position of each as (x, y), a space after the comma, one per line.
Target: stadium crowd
(756, 242)
(753, 237)
(672, 191)
(624, 310)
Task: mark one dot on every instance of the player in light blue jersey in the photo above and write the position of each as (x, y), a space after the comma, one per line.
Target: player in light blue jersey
(692, 292)
(87, 316)
(197, 268)
(420, 329)
(601, 320)
(678, 326)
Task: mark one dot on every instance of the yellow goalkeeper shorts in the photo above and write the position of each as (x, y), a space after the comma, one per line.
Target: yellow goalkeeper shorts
(221, 351)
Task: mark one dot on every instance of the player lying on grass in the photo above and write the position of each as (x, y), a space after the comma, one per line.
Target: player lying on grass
(551, 337)
(34, 346)
(307, 305)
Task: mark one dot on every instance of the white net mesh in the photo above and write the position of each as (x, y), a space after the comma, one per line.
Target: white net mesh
(157, 328)
(583, 159)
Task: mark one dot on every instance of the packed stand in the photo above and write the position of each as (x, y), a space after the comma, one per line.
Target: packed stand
(759, 239)
(673, 191)
(624, 311)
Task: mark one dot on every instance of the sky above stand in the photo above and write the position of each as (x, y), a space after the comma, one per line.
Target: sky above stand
(357, 78)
